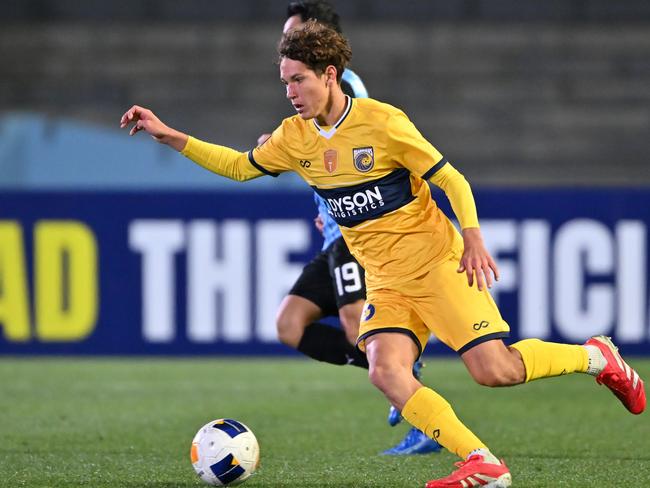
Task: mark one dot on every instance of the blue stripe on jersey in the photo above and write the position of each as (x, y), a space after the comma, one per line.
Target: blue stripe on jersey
(352, 205)
(331, 231)
(435, 169)
(258, 166)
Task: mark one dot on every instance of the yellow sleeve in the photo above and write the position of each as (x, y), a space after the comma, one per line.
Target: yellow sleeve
(221, 160)
(458, 191)
(408, 147)
(273, 156)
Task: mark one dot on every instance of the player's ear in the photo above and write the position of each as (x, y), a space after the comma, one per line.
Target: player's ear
(330, 73)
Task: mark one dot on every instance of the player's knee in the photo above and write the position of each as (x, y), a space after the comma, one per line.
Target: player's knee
(379, 376)
(289, 329)
(384, 376)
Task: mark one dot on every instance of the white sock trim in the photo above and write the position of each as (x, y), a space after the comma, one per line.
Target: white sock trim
(488, 457)
(597, 361)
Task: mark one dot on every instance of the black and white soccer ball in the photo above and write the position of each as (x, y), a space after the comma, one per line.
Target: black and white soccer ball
(225, 453)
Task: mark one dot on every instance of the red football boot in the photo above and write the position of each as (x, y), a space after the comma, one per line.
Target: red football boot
(475, 471)
(624, 382)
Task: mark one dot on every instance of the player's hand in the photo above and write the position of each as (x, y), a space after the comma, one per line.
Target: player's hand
(476, 261)
(263, 138)
(318, 222)
(144, 119)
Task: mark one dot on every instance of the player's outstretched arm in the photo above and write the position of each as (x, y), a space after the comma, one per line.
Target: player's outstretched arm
(144, 119)
(219, 159)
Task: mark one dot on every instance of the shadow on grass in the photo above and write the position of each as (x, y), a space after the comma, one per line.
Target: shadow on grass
(257, 484)
(568, 457)
(301, 484)
(161, 484)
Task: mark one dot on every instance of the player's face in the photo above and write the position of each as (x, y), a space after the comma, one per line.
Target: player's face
(307, 91)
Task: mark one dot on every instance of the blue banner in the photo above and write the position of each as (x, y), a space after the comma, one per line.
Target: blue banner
(203, 272)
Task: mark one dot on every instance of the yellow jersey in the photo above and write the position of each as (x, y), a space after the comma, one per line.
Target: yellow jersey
(371, 168)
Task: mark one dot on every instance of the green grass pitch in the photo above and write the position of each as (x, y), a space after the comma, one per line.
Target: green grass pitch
(129, 423)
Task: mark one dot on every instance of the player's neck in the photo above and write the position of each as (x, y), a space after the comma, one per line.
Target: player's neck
(334, 109)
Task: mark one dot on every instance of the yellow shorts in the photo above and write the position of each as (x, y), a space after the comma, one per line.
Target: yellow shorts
(439, 302)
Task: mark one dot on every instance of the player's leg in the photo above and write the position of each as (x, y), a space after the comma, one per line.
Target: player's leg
(348, 281)
(477, 330)
(298, 328)
(493, 364)
(468, 321)
(445, 309)
(395, 417)
(349, 316)
(294, 315)
(349, 288)
(415, 441)
(391, 356)
(310, 299)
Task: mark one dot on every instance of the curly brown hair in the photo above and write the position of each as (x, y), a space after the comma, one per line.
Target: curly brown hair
(316, 45)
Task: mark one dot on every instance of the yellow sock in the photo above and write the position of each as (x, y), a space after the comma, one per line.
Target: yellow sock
(432, 414)
(546, 359)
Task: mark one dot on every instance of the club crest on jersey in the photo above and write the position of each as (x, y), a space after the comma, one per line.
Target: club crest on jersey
(364, 158)
(331, 160)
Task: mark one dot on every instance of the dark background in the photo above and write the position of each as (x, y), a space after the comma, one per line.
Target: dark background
(513, 92)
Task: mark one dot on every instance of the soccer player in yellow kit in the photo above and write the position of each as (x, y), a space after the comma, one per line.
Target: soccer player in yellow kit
(371, 165)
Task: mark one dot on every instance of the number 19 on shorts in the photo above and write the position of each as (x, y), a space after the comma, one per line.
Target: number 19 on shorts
(348, 278)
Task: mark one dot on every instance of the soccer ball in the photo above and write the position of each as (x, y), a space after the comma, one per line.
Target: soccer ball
(224, 452)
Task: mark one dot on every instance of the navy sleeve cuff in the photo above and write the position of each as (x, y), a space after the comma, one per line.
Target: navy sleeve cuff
(435, 169)
(261, 168)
